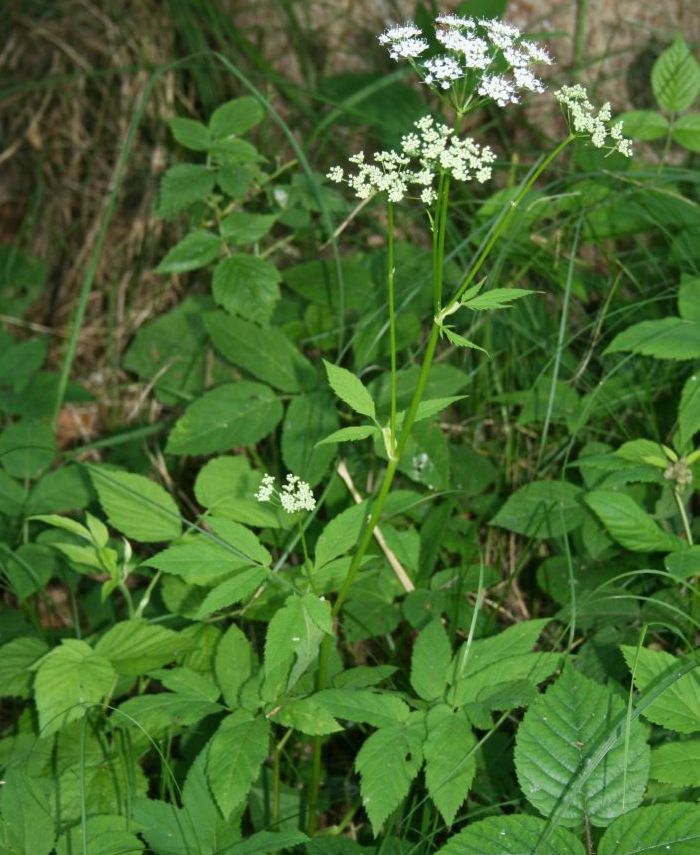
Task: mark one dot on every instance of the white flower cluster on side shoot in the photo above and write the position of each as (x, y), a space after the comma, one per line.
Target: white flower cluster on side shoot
(295, 495)
(430, 149)
(584, 120)
(482, 59)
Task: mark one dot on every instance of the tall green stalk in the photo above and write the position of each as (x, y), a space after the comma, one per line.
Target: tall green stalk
(390, 270)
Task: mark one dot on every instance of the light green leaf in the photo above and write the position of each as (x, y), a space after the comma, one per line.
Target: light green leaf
(307, 420)
(428, 409)
(668, 338)
(236, 117)
(135, 647)
(449, 770)
(233, 663)
(542, 509)
(350, 389)
(265, 842)
(459, 340)
(12, 495)
(159, 714)
(185, 681)
(684, 564)
(196, 250)
(226, 486)
(236, 752)
(26, 825)
(69, 680)
(27, 448)
(675, 77)
(16, 659)
(189, 133)
(430, 660)
(104, 835)
(686, 131)
(168, 830)
(248, 286)
(350, 434)
(511, 835)
(307, 716)
(363, 706)
(203, 562)
(65, 524)
(689, 298)
(231, 415)
(240, 540)
(656, 830)
(556, 740)
(388, 762)
(678, 707)
(644, 125)
(496, 298)
(677, 763)
(340, 534)
(630, 525)
(136, 506)
(241, 227)
(181, 186)
(234, 590)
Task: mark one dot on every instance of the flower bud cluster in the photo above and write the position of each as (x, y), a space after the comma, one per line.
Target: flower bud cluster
(490, 56)
(430, 149)
(584, 120)
(295, 495)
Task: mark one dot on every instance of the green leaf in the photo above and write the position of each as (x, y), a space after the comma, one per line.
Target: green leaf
(229, 416)
(430, 660)
(240, 540)
(340, 534)
(542, 509)
(449, 768)
(226, 486)
(644, 125)
(27, 448)
(511, 835)
(628, 524)
(265, 842)
(136, 506)
(266, 353)
(242, 227)
(428, 409)
(202, 562)
(196, 250)
(689, 298)
(363, 706)
(675, 78)
(233, 663)
(656, 830)
(459, 340)
(496, 298)
(686, 131)
(11, 495)
(248, 286)
(159, 714)
(236, 117)
(185, 681)
(64, 489)
(678, 707)
(16, 659)
(307, 420)
(236, 752)
(104, 835)
(388, 762)
(350, 389)
(135, 647)
(26, 825)
(677, 763)
(350, 434)
(69, 680)
(684, 564)
(181, 186)
(234, 590)
(189, 133)
(556, 741)
(307, 716)
(668, 338)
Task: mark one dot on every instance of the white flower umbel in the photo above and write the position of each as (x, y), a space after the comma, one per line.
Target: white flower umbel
(294, 496)
(585, 121)
(481, 60)
(430, 149)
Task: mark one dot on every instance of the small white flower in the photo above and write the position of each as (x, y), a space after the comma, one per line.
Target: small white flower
(584, 120)
(335, 174)
(499, 89)
(266, 488)
(442, 70)
(296, 495)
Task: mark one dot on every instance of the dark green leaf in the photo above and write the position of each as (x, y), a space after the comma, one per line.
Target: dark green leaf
(654, 830)
(181, 186)
(246, 285)
(195, 250)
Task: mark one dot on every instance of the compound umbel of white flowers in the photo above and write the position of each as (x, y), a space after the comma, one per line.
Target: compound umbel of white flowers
(584, 120)
(294, 496)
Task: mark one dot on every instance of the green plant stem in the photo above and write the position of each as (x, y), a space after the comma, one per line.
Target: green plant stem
(684, 516)
(277, 752)
(308, 566)
(579, 57)
(392, 317)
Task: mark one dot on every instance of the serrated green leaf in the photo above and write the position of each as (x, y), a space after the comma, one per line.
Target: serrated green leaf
(363, 706)
(236, 117)
(233, 663)
(265, 842)
(684, 564)
(630, 525)
(542, 509)
(686, 131)
(340, 534)
(689, 298)
(459, 340)
(654, 830)
(69, 680)
(135, 647)
(307, 420)
(185, 681)
(678, 707)
(203, 562)
(190, 133)
(556, 739)
(136, 506)
(644, 125)
(511, 835)
(675, 77)
(103, 835)
(241, 227)
(196, 250)
(236, 752)
(167, 829)
(668, 338)
(449, 768)
(26, 825)
(430, 660)
(16, 659)
(350, 434)
(159, 714)
(307, 716)
(234, 590)
(27, 448)
(350, 389)
(248, 286)
(496, 298)
(181, 186)
(677, 763)
(229, 416)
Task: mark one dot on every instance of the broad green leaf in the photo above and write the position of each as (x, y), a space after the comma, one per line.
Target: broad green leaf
(103, 835)
(677, 763)
(159, 714)
(388, 762)
(185, 681)
(350, 434)
(426, 459)
(69, 680)
(644, 125)
(240, 540)
(12, 495)
(135, 647)
(628, 524)
(248, 286)
(307, 716)
(496, 298)
(492, 683)
(668, 338)
(231, 415)
(266, 353)
(556, 740)
(542, 509)
(136, 506)
(64, 489)
(168, 830)
(203, 562)
(181, 186)
(189, 133)
(678, 707)
(265, 842)
(684, 564)
(689, 298)
(242, 227)
(516, 834)
(363, 676)
(430, 660)
(686, 131)
(449, 768)
(234, 590)
(236, 752)
(26, 825)
(27, 448)
(656, 830)
(350, 389)
(233, 664)
(675, 77)
(16, 659)
(236, 117)
(307, 420)
(214, 834)
(363, 706)
(688, 413)
(340, 534)
(226, 486)
(196, 250)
